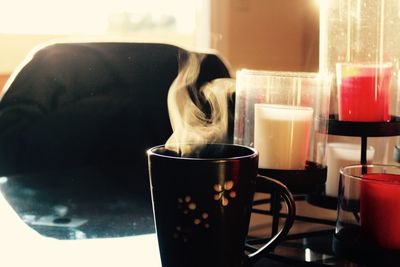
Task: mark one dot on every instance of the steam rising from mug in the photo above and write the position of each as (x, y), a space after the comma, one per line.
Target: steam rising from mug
(190, 123)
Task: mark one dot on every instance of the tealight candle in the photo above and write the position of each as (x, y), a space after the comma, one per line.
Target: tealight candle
(363, 91)
(282, 135)
(380, 209)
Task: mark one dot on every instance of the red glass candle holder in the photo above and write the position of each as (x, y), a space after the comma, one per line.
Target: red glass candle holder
(359, 42)
(364, 91)
(369, 207)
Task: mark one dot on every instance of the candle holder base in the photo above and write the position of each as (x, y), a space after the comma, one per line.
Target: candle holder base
(306, 181)
(369, 129)
(349, 244)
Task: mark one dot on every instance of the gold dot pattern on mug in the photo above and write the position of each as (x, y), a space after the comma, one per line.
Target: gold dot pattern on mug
(224, 192)
(192, 219)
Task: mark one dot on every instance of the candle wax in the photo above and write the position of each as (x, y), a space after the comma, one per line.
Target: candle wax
(282, 136)
(364, 93)
(340, 155)
(380, 209)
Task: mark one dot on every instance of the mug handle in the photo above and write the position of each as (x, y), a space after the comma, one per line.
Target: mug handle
(268, 185)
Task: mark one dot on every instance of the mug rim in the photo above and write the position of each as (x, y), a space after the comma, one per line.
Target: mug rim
(252, 152)
(366, 179)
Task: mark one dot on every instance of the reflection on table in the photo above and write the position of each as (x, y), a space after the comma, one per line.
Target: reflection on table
(93, 217)
(76, 218)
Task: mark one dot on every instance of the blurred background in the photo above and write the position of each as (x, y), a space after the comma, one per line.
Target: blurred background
(260, 34)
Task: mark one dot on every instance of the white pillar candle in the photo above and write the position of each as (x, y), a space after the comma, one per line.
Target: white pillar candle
(338, 156)
(282, 135)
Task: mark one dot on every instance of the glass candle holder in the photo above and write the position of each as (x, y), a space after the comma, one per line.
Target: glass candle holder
(283, 115)
(364, 91)
(359, 43)
(368, 208)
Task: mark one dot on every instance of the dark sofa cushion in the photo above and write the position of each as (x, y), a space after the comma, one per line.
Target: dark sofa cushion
(74, 104)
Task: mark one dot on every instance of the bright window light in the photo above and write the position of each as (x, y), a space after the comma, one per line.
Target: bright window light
(96, 16)
(25, 24)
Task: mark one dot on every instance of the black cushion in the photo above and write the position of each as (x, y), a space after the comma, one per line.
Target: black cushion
(74, 104)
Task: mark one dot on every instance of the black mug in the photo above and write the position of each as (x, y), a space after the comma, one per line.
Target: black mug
(202, 204)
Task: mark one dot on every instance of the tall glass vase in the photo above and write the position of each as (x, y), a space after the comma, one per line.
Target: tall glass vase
(359, 44)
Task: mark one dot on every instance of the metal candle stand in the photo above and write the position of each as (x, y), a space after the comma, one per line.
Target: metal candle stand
(309, 184)
(354, 129)
(353, 248)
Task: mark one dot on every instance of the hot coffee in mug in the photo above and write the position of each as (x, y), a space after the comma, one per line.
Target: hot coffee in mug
(202, 204)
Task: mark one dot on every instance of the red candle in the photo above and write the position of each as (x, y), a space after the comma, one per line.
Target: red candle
(380, 209)
(363, 92)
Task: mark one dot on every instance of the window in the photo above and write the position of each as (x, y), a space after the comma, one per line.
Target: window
(26, 23)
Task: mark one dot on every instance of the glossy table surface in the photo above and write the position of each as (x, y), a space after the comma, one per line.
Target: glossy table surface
(97, 216)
